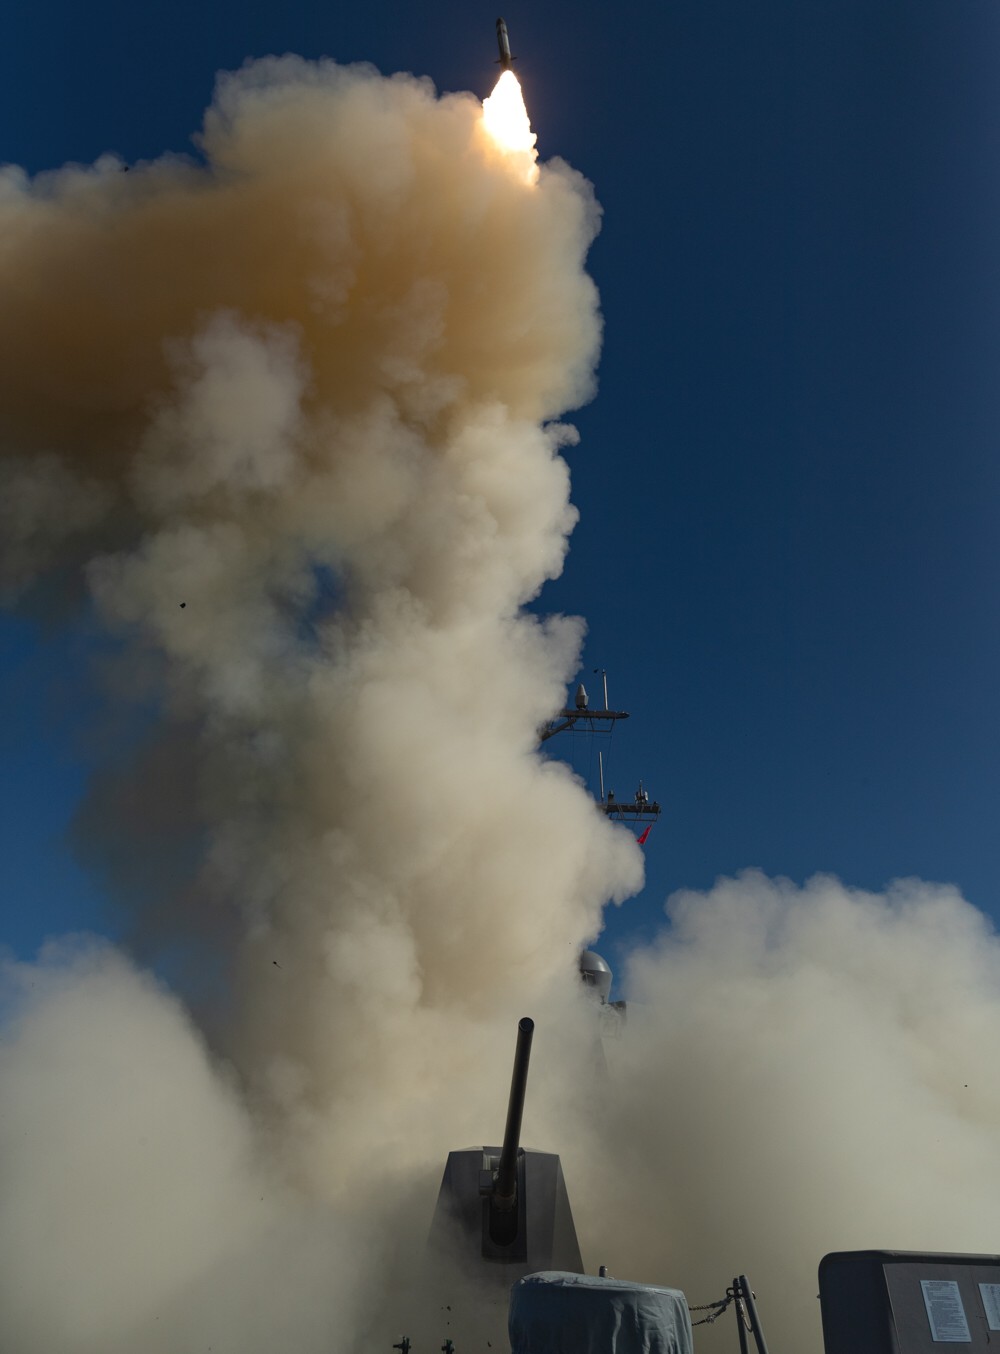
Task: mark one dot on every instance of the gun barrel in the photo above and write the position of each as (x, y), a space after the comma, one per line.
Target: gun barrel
(505, 1189)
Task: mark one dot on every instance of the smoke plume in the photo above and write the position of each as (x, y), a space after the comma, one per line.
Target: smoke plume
(284, 420)
(807, 1070)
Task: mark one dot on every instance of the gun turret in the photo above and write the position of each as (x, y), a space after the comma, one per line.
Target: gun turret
(503, 1194)
(507, 1205)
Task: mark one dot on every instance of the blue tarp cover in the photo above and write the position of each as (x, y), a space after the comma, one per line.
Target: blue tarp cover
(557, 1313)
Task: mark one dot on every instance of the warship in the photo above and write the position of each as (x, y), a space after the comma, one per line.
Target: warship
(503, 1222)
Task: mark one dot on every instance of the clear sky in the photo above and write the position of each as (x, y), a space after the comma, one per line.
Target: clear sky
(789, 489)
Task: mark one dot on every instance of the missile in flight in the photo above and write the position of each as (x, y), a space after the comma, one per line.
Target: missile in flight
(503, 43)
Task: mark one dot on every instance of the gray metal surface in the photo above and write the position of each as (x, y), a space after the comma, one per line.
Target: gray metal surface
(545, 1237)
(909, 1302)
(503, 1211)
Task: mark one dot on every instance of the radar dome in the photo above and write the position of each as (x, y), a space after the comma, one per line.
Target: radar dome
(595, 973)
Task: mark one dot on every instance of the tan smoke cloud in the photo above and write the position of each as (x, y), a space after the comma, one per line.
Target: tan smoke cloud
(807, 1070)
(287, 415)
(139, 1210)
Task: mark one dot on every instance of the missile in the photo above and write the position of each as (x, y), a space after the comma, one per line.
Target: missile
(505, 57)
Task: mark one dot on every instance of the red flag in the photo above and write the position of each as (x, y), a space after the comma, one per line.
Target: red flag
(642, 840)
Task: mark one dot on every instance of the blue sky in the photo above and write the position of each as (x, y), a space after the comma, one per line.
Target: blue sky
(788, 554)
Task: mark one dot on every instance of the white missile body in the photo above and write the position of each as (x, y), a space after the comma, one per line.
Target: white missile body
(503, 43)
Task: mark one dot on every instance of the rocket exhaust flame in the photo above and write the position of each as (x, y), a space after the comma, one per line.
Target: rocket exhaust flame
(506, 120)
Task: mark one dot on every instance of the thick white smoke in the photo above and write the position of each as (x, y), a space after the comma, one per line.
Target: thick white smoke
(140, 1209)
(807, 1070)
(284, 420)
(289, 415)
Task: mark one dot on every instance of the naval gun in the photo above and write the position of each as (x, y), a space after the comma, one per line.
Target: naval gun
(503, 1212)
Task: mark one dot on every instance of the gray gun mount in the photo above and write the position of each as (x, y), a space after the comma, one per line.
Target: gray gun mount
(504, 1211)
